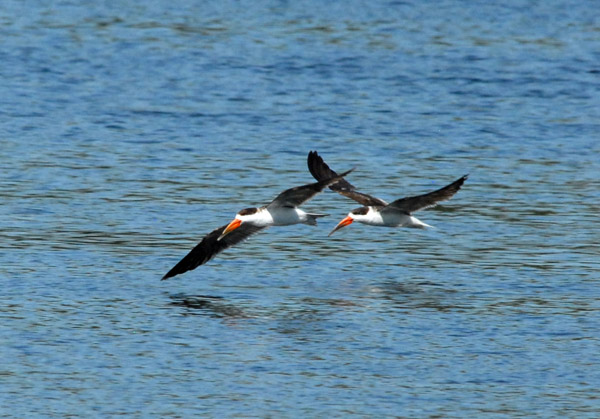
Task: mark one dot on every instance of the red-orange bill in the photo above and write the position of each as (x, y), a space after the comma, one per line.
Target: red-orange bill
(345, 222)
(230, 227)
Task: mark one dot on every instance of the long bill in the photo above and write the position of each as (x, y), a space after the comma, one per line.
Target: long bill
(230, 227)
(345, 222)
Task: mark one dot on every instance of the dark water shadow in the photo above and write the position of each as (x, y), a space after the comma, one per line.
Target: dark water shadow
(419, 295)
(207, 305)
(298, 311)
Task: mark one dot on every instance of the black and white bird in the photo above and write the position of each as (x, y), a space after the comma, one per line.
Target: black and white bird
(375, 211)
(282, 211)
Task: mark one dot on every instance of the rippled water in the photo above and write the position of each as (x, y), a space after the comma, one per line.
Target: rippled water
(131, 130)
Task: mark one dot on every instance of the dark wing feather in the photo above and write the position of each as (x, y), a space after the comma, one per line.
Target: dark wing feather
(416, 203)
(294, 197)
(320, 170)
(209, 247)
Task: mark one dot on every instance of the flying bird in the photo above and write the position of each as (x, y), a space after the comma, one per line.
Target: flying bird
(375, 211)
(282, 211)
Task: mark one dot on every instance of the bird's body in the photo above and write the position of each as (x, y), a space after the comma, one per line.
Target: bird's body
(378, 217)
(277, 216)
(289, 216)
(282, 211)
(375, 211)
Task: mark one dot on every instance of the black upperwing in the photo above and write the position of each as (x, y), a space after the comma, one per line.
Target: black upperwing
(419, 202)
(320, 170)
(294, 197)
(210, 246)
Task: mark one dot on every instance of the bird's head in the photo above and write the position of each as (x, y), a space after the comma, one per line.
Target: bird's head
(245, 215)
(357, 214)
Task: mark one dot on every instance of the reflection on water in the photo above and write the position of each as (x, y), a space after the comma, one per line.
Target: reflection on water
(206, 305)
(409, 296)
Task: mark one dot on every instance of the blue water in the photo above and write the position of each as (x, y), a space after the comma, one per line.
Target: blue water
(128, 131)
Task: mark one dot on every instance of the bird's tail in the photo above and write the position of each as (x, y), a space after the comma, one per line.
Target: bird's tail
(414, 222)
(311, 219)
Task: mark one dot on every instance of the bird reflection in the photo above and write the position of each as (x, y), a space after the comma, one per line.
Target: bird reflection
(417, 295)
(207, 305)
(310, 313)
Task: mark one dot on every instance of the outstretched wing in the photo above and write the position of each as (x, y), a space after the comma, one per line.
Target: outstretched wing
(294, 197)
(210, 246)
(416, 203)
(320, 170)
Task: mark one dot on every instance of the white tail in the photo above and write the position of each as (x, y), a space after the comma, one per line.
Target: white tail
(416, 223)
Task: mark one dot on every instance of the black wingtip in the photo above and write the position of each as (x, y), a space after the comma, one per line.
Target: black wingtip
(170, 274)
(320, 170)
(458, 183)
(317, 166)
(345, 173)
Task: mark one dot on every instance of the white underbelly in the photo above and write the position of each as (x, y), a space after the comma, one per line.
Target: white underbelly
(401, 220)
(287, 216)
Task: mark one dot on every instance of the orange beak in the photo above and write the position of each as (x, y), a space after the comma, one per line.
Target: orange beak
(230, 227)
(345, 222)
